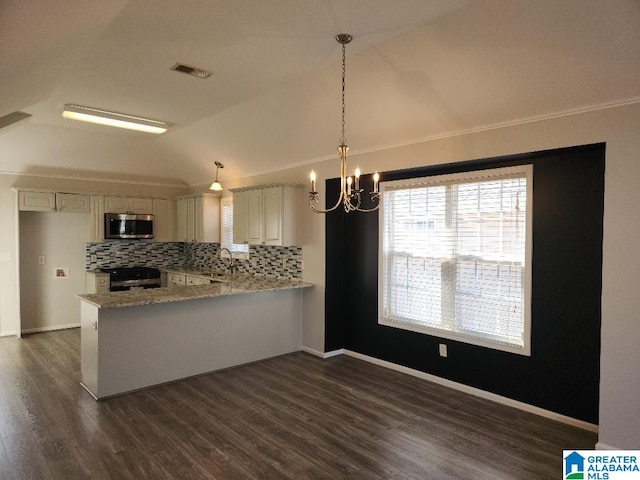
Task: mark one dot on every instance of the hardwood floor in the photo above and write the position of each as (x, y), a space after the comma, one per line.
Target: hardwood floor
(291, 417)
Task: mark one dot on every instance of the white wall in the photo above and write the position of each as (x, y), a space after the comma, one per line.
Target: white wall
(618, 127)
(8, 257)
(47, 301)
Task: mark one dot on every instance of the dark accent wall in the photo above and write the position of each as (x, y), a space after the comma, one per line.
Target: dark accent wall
(563, 372)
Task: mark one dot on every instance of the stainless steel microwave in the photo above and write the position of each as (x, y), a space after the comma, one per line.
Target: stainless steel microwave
(128, 225)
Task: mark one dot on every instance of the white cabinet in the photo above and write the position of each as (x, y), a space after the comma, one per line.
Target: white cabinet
(176, 279)
(184, 220)
(128, 205)
(196, 280)
(37, 201)
(247, 217)
(98, 282)
(72, 203)
(181, 279)
(163, 219)
(53, 202)
(96, 227)
(198, 219)
(267, 215)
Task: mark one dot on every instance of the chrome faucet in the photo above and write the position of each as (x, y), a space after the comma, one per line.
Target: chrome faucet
(232, 264)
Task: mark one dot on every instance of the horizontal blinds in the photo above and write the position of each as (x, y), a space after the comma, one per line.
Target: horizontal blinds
(226, 237)
(454, 253)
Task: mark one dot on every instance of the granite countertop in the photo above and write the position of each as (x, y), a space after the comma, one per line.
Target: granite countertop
(236, 284)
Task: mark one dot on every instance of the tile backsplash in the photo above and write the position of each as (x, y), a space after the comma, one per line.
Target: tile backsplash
(268, 261)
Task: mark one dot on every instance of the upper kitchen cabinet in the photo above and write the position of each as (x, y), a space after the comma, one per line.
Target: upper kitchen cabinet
(247, 217)
(35, 201)
(266, 215)
(72, 203)
(198, 219)
(128, 205)
(163, 216)
(96, 227)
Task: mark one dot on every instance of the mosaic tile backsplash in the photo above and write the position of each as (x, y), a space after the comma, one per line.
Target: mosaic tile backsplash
(267, 261)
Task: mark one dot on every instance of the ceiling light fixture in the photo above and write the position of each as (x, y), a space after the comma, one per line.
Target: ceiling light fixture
(350, 191)
(112, 119)
(216, 184)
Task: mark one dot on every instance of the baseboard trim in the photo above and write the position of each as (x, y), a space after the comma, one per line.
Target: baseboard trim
(320, 354)
(11, 333)
(50, 329)
(334, 353)
(312, 351)
(477, 392)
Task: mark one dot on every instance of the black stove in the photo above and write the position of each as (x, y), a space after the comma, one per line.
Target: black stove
(126, 278)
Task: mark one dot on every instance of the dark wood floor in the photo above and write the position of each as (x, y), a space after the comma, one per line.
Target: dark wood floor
(293, 417)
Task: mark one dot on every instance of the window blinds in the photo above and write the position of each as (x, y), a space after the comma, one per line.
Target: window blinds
(226, 237)
(455, 254)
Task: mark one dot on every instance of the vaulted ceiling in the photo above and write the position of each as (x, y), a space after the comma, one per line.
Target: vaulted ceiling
(416, 69)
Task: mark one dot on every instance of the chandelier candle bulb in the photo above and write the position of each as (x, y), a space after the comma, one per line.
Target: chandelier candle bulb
(312, 176)
(349, 182)
(376, 179)
(357, 175)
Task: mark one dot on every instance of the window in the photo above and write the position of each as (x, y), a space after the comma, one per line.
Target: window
(455, 256)
(226, 236)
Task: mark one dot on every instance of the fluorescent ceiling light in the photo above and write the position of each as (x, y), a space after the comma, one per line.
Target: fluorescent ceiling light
(112, 119)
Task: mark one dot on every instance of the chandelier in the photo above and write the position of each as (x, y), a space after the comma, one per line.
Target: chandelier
(350, 192)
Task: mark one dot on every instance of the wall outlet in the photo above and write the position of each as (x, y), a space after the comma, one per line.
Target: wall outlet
(42, 259)
(94, 258)
(442, 349)
(284, 263)
(302, 265)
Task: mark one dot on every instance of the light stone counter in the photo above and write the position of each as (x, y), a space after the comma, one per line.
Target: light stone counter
(236, 284)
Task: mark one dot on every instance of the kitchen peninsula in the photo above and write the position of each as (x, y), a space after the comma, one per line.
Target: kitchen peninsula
(140, 338)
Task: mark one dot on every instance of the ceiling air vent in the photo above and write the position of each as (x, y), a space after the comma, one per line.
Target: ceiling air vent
(196, 72)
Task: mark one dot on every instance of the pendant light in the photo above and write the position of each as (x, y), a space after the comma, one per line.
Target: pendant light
(216, 184)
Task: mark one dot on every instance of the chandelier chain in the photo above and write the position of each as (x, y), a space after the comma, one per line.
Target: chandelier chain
(343, 140)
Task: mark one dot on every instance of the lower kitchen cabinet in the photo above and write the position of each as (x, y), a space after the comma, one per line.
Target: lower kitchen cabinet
(176, 279)
(98, 282)
(181, 279)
